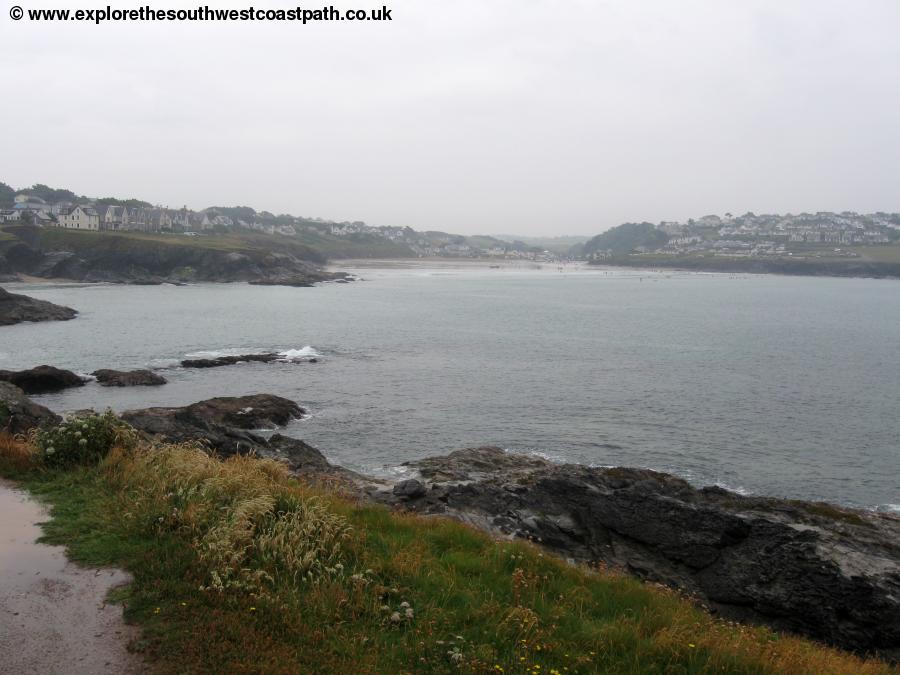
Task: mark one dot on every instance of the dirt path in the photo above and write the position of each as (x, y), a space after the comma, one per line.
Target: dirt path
(53, 614)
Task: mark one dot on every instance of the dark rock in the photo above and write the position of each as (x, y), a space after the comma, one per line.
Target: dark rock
(222, 423)
(219, 422)
(814, 569)
(42, 379)
(298, 281)
(128, 378)
(16, 308)
(120, 258)
(301, 456)
(257, 411)
(18, 414)
(229, 360)
(409, 489)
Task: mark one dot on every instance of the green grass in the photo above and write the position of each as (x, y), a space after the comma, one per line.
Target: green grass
(307, 245)
(171, 516)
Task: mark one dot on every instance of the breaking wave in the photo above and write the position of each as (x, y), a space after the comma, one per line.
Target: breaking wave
(302, 354)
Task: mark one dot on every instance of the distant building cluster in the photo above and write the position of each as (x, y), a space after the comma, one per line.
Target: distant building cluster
(97, 215)
(776, 235)
(100, 216)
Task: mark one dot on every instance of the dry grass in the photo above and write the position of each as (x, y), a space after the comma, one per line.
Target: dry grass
(297, 580)
(17, 454)
(250, 525)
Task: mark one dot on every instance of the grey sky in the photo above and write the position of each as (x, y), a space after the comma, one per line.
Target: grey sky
(526, 116)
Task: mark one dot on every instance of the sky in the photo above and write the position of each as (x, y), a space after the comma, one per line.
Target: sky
(536, 117)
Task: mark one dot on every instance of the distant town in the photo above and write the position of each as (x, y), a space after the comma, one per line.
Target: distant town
(844, 235)
(822, 234)
(114, 215)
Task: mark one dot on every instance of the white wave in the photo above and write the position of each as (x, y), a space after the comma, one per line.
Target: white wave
(87, 377)
(739, 490)
(888, 508)
(163, 364)
(302, 354)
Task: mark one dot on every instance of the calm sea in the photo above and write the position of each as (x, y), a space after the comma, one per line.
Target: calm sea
(770, 385)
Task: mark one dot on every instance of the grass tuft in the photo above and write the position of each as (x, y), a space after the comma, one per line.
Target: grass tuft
(238, 567)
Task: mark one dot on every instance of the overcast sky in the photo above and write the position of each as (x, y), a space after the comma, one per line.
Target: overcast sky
(473, 116)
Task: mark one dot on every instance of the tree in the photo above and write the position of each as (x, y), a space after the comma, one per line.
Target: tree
(7, 196)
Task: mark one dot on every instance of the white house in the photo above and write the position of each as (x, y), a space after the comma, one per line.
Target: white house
(79, 218)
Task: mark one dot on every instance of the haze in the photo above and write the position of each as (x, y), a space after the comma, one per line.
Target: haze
(533, 117)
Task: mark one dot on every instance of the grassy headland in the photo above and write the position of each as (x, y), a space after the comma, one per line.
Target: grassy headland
(239, 567)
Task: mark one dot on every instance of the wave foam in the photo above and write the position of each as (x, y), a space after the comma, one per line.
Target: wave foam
(302, 354)
(888, 508)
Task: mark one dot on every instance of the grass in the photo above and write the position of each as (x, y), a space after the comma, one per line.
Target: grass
(307, 245)
(240, 568)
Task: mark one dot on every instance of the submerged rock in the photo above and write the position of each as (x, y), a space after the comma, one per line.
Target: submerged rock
(814, 569)
(42, 379)
(229, 360)
(128, 378)
(15, 308)
(19, 414)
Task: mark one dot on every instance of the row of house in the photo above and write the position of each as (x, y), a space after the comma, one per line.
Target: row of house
(109, 217)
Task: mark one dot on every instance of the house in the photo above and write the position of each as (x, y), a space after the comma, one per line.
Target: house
(79, 218)
(31, 203)
(9, 215)
(112, 217)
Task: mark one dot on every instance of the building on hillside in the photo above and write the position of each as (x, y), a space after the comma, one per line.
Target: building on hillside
(9, 215)
(79, 218)
(31, 203)
(112, 217)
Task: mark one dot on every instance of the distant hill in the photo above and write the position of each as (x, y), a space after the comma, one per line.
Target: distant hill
(565, 245)
(627, 238)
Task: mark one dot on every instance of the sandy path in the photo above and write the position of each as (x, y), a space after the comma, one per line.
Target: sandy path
(53, 615)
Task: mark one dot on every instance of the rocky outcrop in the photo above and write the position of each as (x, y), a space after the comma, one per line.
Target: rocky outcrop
(18, 414)
(300, 280)
(228, 360)
(223, 424)
(173, 258)
(42, 379)
(813, 569)
(128, 378)
(217, 361)
(15, 308)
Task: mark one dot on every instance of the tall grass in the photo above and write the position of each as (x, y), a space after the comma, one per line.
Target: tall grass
(240, 568)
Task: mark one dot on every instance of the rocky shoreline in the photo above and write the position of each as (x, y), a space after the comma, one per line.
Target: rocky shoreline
(15, 308)
(113, 258)
(814, 569)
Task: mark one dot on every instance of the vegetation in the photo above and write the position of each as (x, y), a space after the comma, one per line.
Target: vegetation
(82, 439)
(238, 567)
(7, 196)
(117, 243)
(626, 238)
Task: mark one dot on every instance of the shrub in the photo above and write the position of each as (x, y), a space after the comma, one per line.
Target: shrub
(250, 526)
(84, 439)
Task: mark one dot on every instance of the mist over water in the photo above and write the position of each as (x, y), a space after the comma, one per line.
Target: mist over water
(771, 385)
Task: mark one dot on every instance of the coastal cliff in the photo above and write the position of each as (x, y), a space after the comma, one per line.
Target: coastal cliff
(813, 569)
(147, 259)
(809, 568)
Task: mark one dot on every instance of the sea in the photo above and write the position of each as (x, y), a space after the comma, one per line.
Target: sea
(763, 384)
